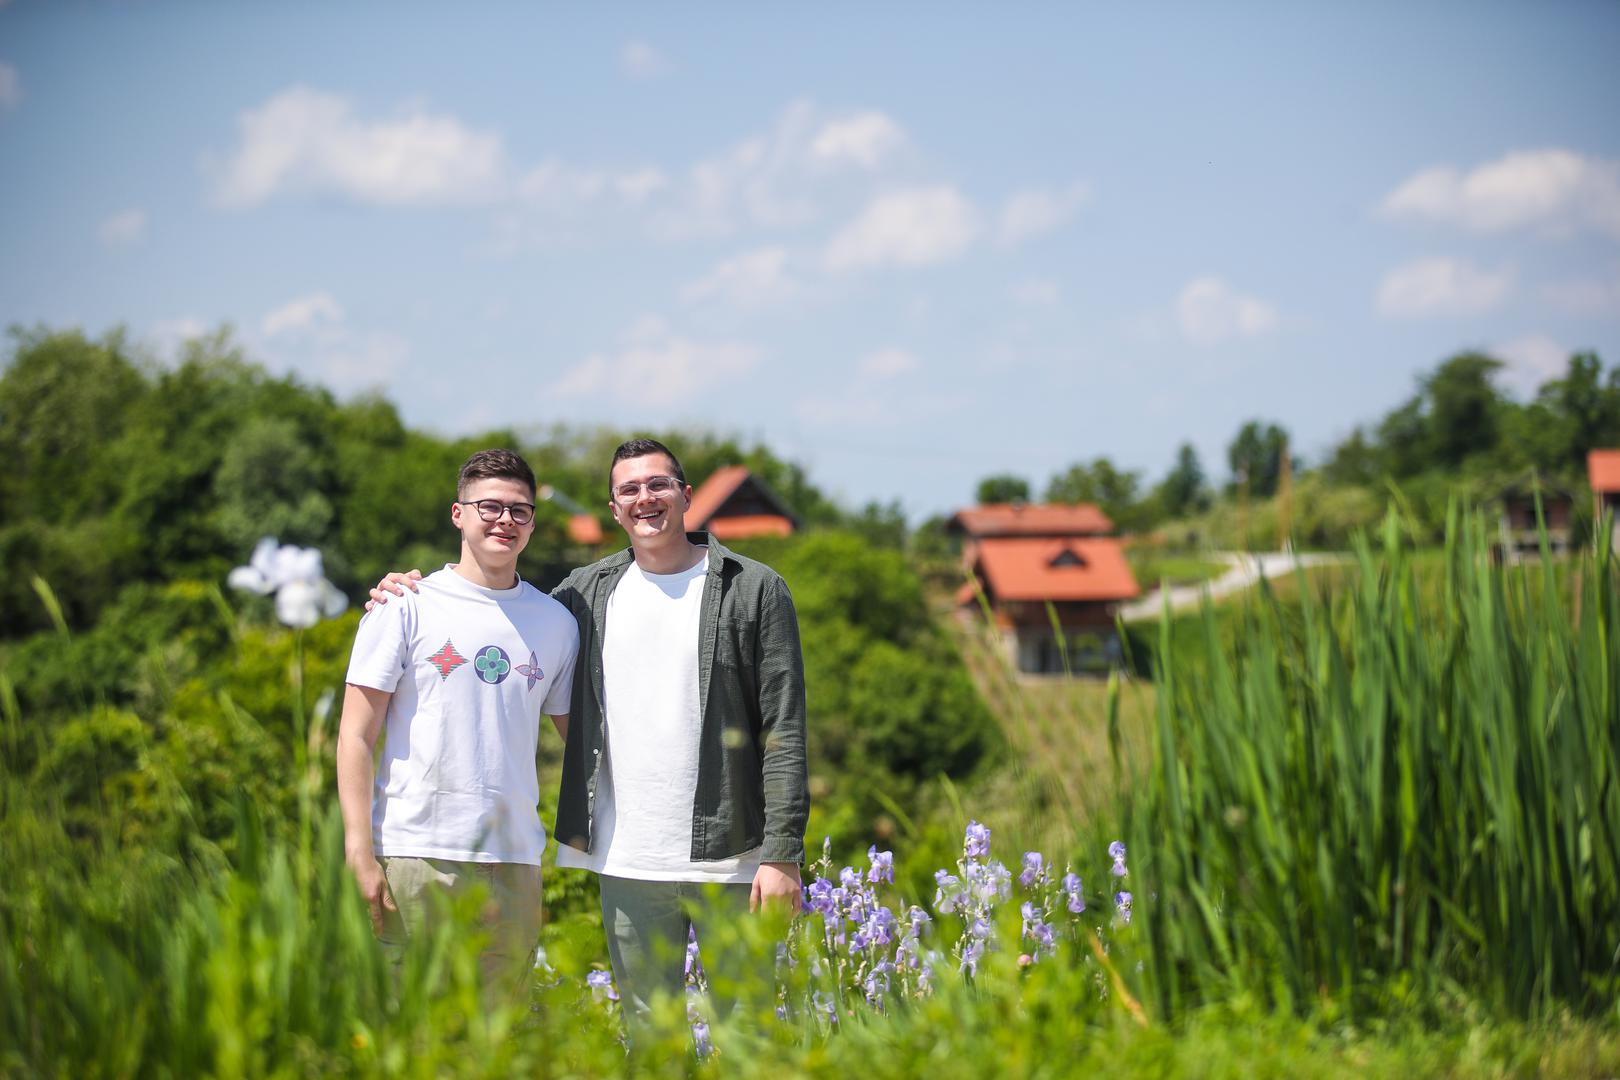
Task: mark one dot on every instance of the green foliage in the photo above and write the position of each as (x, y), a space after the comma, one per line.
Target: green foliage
(1185, 489)
(1394, 789)
(1102, 483)
(1002, 488)
(1255, 456)
(891, 706)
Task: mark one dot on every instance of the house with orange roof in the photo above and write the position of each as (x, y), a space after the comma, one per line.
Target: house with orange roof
(1052, 577)
(734, 504)
(1603, 473)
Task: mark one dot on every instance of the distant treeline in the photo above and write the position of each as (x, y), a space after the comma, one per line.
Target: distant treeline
(120, 469)
(1459, 434)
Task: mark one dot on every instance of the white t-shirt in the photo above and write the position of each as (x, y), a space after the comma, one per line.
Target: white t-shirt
(470, 669)
(648, 779)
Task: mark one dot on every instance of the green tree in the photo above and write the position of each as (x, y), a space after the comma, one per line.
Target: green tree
(1183, 490)
(1255, 456)
(1116, 491)
(1464, 408)
(1003, 488)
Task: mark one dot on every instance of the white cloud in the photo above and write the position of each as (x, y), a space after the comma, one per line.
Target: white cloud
(169, 335)
(1039, 210)
(1555, 189)
(1034, 292)
(302, 315)
(640, 184)
(124, 228)
(1441, 286)
(657, 367)
(863, 139)
(1585, 296)
(10, 86)
(564, 187)
(359, 361)
(306, 141)
(780, 178)
(751, 279)
(639, 60)
(914, 227)
(1210, 311)
(888, 363)
(1531, 361)
(311, 335)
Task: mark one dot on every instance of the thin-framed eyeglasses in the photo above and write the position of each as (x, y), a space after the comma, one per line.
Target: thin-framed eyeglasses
(492, 509)
(657, 487)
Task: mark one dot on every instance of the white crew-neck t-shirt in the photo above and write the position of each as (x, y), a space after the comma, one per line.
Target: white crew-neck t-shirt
(470, 669)
(648, 780)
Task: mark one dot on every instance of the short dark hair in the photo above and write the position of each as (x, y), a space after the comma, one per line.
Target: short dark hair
(641, 448)
(495, 465)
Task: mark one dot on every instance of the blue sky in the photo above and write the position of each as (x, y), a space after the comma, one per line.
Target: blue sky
(907, 247)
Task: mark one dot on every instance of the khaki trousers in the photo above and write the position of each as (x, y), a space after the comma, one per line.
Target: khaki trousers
(423, 890)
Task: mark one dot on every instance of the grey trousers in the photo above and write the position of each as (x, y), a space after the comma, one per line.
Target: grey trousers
(646, 924)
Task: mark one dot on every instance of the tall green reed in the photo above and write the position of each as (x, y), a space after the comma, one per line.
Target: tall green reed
(1406, 788)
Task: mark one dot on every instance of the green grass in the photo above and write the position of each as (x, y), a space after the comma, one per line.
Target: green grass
(1413, 786)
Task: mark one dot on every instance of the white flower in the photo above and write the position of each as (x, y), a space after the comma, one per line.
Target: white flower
(296, 576)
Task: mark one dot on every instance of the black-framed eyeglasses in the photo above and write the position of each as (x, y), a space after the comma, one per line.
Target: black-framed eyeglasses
(657, 487)
(492, 509)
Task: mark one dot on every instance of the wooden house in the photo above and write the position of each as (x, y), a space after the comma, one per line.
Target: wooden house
(734, 504)
(1053, 578)
(1603, 473)
(1518, 536)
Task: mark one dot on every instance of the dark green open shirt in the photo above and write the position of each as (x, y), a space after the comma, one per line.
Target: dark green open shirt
(752, 776)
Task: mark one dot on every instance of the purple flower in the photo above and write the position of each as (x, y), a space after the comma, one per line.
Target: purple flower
(849, 878)
(818, 895)
(601, 984)
(823, 1002)
(877, 982)
(949, 894)
(881, 925)
(989, 881)
(1033, 869)
(1122, 904)
(1072, 887)
(694, 966)
(918, 919)
(980, 929)
(882, 865)
(970, 957)
(1116, 851)
(700, 1039)
(976, 843)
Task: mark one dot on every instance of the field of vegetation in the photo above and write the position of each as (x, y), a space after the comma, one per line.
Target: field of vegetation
(1367, 824)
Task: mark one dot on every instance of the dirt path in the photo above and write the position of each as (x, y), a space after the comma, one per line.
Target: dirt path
(1244, 570)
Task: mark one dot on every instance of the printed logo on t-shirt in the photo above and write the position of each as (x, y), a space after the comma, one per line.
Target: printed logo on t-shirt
(446, 660)
(531, 670)
(492, 664)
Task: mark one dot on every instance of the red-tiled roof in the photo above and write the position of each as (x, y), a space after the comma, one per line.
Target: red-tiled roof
(1603, 470)
(584, 529)
(713, 495)
(1092, 568)
(1037, 519)
(744, 526)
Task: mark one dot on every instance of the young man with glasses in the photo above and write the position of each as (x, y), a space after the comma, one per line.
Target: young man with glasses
(457, 675)
(684, 769)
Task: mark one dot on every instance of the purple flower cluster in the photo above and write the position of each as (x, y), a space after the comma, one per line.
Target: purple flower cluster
(871, 947)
